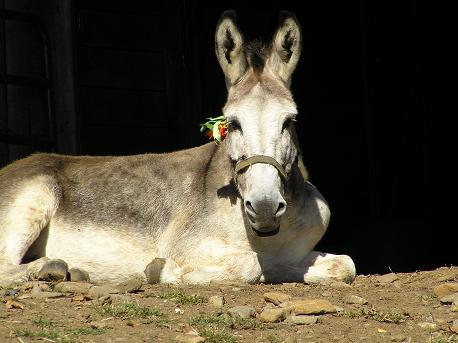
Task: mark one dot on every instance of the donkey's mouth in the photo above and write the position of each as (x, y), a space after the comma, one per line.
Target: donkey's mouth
(266, 232)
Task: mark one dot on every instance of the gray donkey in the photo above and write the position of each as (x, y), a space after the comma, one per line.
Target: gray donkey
(240, 210)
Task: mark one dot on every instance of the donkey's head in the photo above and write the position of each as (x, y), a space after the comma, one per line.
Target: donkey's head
(260, 112)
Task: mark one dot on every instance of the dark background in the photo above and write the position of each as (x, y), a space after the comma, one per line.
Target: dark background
(372, 89)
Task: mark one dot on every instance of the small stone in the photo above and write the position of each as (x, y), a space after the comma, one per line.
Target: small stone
(290, 340)
(78, 275)
(387, 278)
(454, 326)
(273, 315)
(10, 304)
(354, 299)
(98, 325)
(448, 277)
(131, 285)
(340, 284)
(276, 297)
(303, 320)
(398, 338)
(243, 312)
(73, 287)
(310, 306)
(216, 301)
(445, 289)
(427, 326)
(53, 270)
(154, 269)
(449, 299)
(189, 338)
(100, 291)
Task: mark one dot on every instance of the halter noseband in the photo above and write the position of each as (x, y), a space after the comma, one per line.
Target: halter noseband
(273, 162)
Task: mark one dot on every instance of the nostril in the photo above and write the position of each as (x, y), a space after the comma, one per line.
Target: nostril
(249, 207)
(280, 209)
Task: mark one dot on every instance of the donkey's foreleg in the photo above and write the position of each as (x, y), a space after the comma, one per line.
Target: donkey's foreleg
(317, 268)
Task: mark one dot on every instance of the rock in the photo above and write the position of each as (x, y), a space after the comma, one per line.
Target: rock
(340, 284)
(131, 285)
(354, 299)
(454, 326)
(448, 277)
(243, 312)
(273, 315)
(53, 270)
(28, 285)
(302, 320)
(216, 301)
(73, 287)
(398, 338)
(37, 293)
(189, 338)
(309, 306)
(445, 289)
(10, 304)
(427, 326)
(276, 297)
(387, 278)
(101, 291)
(78, 275)
(449, 299)
(154, 269)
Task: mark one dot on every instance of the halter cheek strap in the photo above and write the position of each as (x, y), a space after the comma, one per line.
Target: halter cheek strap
(273, 162)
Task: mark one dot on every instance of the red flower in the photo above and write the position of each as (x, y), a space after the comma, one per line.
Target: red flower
(222, 130)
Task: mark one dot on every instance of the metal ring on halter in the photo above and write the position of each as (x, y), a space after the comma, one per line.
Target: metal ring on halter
(273, 162)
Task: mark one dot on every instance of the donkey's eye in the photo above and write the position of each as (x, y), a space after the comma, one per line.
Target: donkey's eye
(234, 125)
(287, 123)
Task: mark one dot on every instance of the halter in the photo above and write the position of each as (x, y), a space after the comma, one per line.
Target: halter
(273, 162)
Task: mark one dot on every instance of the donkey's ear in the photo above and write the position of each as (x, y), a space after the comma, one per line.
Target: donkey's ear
(229, 48)
(286, 47)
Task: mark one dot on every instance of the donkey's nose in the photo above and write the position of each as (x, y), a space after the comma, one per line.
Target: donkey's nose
(265, 209)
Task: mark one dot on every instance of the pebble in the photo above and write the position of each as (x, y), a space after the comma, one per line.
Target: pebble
(302, 320)
(74, 287)
(78, 275)
(427, 326)
(276, 297)
(189, 338)
(216, 301)
(454, 326)
(310, 306)
(131, 285)
(273, 315)
(154, 269)
(449, 299)
(354, 299)
(398, 338)
(100, 291)
(387, 278)
(445, 289)
(243, 312)
(53, 270)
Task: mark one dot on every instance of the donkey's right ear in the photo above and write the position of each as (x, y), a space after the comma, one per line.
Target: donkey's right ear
(229, 48)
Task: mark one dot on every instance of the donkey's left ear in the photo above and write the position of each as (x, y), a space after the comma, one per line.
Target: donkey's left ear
(286, 47)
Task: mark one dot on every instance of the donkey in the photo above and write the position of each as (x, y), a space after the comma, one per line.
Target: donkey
(242, 210)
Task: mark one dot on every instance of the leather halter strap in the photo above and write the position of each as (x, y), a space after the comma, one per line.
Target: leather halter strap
(273, 162)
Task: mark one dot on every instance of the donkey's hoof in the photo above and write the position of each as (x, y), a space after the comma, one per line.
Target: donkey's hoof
(53, 270)
(78, 275)
(154, 269)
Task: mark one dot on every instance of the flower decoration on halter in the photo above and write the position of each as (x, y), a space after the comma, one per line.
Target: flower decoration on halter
(215, 128)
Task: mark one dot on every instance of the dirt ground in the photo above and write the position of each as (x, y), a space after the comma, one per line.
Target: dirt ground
(404, 307)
